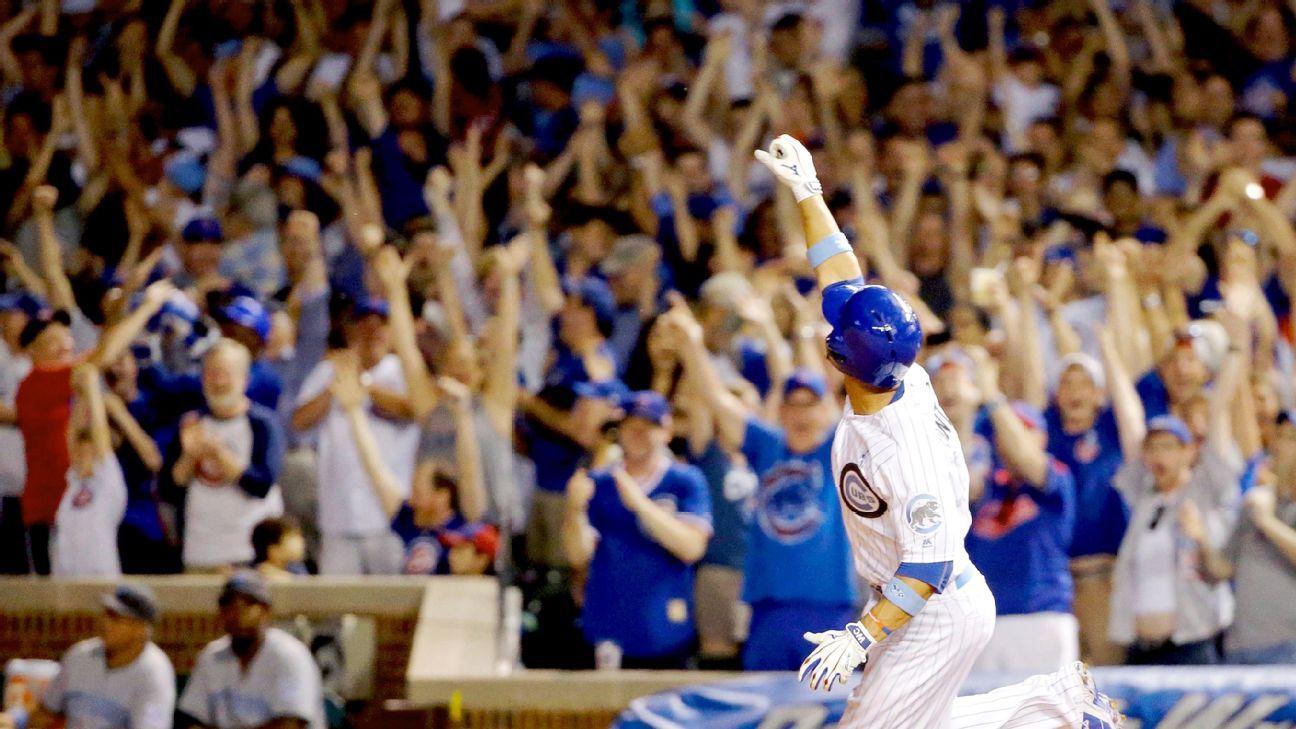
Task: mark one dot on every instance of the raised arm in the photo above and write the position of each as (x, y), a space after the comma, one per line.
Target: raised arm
(499, 391)
(140, 442)
(117, 338)
(393, 273)
(51, 251)
(729, 412)
(177, 71)
(349, 394)
(543, 272)
(10, 30)
(718, 48)
(829, 252)
(1017, 445)
(578, 537)
(472, 483)
(1034, 389)
(90, 390)
(1131, 421)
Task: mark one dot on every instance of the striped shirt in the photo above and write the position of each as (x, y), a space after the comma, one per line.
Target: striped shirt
(903, 483)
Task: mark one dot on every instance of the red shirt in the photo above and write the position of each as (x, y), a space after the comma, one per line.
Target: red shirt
(44, 409)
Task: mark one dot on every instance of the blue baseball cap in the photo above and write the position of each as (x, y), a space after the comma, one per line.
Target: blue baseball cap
(1172, 425)
(246, 311)
(613, 391)
(247, 583)
(201, 230)
(595, 294)
(649, 405)
(805, 379)
(136, 602)
(185, 171)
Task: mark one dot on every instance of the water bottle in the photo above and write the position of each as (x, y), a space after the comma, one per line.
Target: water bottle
(607, 656)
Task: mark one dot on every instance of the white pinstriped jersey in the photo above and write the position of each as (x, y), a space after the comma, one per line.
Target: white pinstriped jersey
(903, 483)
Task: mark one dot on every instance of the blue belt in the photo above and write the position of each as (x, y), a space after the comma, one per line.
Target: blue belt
(965, 577)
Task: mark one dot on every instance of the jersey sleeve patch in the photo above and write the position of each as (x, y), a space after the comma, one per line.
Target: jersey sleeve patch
(923, 514)
(858, 494)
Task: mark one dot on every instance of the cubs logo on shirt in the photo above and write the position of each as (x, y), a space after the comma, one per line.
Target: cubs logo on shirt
(858, 494)
(421, 556)
(1086, 447)
(82, 498)
(923, 514)
(787, 502)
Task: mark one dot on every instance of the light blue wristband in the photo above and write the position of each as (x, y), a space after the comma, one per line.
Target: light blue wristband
(830, 246)
(903, 596)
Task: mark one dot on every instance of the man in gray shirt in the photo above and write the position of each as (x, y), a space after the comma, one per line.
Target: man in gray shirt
(119, 680)
(256, 676)
(1260, 558)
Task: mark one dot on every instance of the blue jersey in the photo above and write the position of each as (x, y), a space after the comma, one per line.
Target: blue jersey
(1019, 540)
(797, 549)
(424, 552)
(639, 595)
(1092, 457)
(728, 547)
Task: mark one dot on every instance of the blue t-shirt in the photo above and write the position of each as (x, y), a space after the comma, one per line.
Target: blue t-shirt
(425, 552)
(639, 595)
(797, 550)
(728, 546)
(1019, 540)
(1093, 458)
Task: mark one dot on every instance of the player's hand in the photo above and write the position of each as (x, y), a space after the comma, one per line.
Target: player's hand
(791, 163)
(838, 654)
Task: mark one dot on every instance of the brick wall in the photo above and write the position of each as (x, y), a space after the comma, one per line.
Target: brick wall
(182, 635)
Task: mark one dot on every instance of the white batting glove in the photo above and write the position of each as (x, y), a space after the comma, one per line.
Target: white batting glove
(791, 163)
(838, 654)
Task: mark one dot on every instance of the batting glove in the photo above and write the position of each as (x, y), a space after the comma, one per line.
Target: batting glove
(791, 163)
(838, 654)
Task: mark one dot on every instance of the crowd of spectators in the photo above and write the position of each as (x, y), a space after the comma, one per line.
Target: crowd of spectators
(494, 287)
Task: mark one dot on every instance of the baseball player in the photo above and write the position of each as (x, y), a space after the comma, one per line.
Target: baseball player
(903, 486)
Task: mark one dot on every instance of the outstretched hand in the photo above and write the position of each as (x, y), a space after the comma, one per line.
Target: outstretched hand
(792, 164)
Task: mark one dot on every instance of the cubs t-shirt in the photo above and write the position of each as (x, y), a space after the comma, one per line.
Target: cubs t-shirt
(85, 527)
(426, 552)
(795, 524)
(639, 595)
(1092, 457)
(1019, 540)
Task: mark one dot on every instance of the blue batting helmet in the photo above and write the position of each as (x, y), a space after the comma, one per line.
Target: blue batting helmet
(875, 335)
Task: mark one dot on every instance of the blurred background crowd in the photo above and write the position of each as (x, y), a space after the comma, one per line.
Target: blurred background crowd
(494, 287)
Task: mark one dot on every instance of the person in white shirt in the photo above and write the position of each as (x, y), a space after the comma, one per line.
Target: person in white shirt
(15, 309)
(85, 526)
(255, 676)
(355, 534)
(118, 680)
(228, 462)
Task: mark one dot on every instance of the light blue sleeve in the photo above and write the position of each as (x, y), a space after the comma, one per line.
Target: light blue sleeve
(296, 692)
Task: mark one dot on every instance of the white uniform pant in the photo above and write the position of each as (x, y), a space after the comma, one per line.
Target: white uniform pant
(912, 678)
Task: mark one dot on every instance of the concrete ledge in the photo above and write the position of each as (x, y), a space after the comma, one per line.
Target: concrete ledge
(544, 690)
(197, 594)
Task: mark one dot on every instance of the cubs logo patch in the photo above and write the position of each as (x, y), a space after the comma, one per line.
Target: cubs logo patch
(82, 498)
(1086, 448)
(786, 504)
(422, 556)
(858, 495)
(923, 514)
